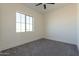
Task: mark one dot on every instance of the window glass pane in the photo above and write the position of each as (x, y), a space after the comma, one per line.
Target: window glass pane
(22, 30)
(17, 17)
(27, 19)
(28, 23)
(22, 18)
(17, 27)
(20, 23)
(27, 27)
(27, 30)
(30, 20)
(30, 27)
(22, 27)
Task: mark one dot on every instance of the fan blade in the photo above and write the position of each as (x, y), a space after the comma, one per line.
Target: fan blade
(50, 3)
(38, 4)
(44, 6)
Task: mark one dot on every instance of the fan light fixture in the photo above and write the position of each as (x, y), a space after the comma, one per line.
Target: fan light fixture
(44, 4)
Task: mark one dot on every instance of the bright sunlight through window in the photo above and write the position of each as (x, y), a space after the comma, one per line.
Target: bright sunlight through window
(24, 23)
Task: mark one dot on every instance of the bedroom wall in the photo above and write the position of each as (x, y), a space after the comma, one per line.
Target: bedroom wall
(0, 25)
(8, 26)
(61, 24)
(77, 26)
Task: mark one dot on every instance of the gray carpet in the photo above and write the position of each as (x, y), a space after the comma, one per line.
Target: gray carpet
(42, 47)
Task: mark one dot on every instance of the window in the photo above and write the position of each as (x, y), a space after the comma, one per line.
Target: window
(24, 23)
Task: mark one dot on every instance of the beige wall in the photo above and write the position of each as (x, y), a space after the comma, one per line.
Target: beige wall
(0, 25)
(78, 26)
(8, 27)
(61, 24)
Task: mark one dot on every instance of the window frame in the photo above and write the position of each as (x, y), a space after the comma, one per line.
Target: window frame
(25, 30)
(31, 24)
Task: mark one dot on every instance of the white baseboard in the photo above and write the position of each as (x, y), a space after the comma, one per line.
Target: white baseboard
(11, 46)
(51, 38)
(37, 38)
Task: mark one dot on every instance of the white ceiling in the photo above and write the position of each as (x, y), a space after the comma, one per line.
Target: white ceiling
(50, 7)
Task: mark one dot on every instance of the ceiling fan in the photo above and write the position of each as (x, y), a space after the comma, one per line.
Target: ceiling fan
(44, 4)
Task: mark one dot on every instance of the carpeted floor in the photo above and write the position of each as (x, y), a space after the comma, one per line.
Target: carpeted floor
(42, 47)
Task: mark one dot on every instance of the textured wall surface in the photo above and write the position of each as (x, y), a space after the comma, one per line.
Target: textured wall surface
(61, 24)
(8, 26)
